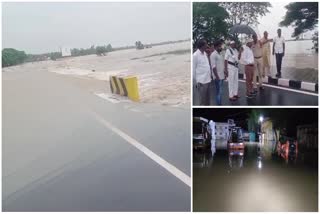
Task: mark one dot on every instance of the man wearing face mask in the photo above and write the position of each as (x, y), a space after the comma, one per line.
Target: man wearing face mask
(217, 61)
(231, 70)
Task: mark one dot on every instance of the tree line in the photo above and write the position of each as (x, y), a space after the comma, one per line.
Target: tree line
(11, 56)
(212, 20)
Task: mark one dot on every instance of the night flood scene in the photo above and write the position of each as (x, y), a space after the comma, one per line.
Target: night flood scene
(255, 160)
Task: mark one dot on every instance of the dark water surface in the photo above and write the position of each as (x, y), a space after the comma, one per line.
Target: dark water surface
(254, 180)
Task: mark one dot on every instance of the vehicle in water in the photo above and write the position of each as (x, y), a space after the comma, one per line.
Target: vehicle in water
(235, 139)
(287, 148)
(201, 133)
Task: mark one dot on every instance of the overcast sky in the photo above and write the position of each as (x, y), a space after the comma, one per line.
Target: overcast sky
(44, 27)
(271, 21)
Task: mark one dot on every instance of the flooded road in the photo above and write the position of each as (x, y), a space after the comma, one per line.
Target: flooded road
(253, 179)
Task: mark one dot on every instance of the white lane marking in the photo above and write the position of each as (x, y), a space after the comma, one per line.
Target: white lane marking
(169, 167)
(287, 89)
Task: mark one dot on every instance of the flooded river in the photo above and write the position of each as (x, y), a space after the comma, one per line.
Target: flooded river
(254, 179)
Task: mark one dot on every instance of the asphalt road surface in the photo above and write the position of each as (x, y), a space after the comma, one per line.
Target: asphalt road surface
(269, 96)
(66, 149)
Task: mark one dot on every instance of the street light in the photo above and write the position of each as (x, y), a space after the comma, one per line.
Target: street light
(260, 136)
(261, 119)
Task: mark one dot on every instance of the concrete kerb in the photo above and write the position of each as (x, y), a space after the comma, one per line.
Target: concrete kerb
(294, 84)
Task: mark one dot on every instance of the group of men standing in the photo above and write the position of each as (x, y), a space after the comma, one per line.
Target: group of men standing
(211, 63)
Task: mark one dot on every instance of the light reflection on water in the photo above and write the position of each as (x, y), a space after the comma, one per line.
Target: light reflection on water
(253, 179)
(260, 151)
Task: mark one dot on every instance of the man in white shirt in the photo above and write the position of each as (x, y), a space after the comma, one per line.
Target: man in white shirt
(232, 71)
(202, 72)
(247, 58)
(279, 50)
(217, 61)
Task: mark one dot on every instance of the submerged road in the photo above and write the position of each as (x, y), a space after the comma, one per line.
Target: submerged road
(66, 149)
(254, 180)
(271, 95)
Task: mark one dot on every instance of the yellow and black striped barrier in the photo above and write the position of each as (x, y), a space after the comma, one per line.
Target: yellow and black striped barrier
(125, 86)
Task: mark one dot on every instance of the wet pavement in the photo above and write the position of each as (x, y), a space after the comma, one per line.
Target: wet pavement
(56, 156)
(253, 180)
(269, 96)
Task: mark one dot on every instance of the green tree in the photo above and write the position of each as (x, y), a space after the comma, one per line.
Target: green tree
(109, 48)
(139, 45)
(315, 41)
(12, 56)
(253, 119)
(303, 16)
(209, 21)
(75, 52)
(101, 50)
(55, 55)
(246, 13)
(82, 52)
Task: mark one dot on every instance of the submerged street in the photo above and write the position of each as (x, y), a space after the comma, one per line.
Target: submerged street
(253, 179)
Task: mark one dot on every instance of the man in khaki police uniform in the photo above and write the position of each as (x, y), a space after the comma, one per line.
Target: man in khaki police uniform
(257, 53)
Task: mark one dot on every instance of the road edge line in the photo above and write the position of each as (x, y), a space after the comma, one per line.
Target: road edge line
(159, 160)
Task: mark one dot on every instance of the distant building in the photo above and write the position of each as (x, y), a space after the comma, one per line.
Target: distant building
(65, 51)
(267, 130)
(307, 135)
(268, 138)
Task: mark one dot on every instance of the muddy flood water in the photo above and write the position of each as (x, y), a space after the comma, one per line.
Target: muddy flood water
(254, 179)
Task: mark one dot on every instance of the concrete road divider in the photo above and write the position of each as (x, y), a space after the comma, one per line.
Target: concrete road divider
(125, 86)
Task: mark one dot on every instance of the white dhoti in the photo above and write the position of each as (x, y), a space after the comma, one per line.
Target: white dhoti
(233, 76)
